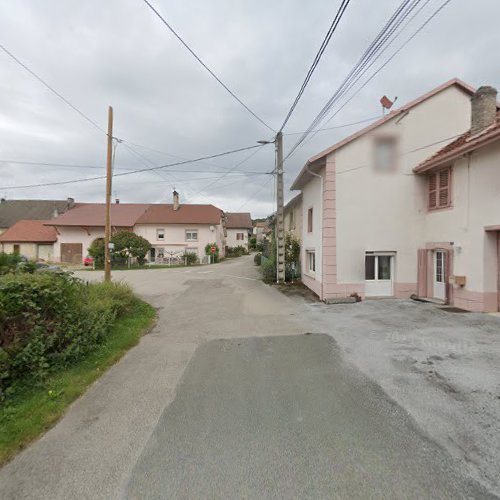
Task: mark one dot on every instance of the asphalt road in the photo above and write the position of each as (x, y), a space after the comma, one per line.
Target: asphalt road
(262, 410)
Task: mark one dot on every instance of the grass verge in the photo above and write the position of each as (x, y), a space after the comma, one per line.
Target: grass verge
(33, 411)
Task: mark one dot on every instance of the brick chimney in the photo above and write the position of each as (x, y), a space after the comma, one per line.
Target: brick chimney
(117, 201)
(176, 200)
(483, 108)
(70, 202)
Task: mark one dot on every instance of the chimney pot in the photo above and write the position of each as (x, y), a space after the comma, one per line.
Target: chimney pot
(117, 201)
(176, 200)
(70, 202)
(483, 108)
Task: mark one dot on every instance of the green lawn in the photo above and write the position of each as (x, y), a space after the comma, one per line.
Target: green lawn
(31, 412)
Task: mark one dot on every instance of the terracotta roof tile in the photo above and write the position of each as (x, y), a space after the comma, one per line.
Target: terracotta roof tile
(463, 144)
(186, 214)
(93, 215)
(237, 220)
(29, 231)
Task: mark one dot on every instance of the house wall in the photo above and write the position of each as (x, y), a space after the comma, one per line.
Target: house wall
(231, 240)
(31, 250)
(312, 198)
(76, 235)
(293, 220)
(475, 204)
(384, 211)
(175, 237)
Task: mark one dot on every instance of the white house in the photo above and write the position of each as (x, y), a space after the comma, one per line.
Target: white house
(238, 227)
(367, 215)
(172, 229)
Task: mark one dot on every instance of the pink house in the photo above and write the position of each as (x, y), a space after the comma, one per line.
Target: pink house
(395, 209)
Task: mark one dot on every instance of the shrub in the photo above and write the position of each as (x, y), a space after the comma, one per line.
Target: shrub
(252, 243)
(191, 258)
(268, 268)
(96, 251)
(51, 319)
(257, 259)
(259, 247)
(236, 251)
(9, 262)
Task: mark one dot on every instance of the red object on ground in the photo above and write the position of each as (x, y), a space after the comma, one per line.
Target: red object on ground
(88, 261)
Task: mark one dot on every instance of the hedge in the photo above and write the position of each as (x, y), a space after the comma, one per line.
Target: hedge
(49, 320)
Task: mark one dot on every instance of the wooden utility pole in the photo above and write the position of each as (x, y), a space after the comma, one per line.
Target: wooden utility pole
(109, 175)
(280, 222)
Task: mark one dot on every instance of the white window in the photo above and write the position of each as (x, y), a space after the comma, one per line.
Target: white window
(310, 220)
(385, 153)
(240, 236)
(191, 235)
(160, 234)
(311, 260)
(379, 270)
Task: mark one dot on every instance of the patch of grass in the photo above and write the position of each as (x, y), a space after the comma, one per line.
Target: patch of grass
(136, 267)
(32, 411)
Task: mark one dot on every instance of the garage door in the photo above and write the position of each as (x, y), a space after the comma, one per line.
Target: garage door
(71, 253)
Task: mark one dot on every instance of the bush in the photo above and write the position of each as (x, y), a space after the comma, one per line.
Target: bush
(257, 259)
(236, 251)
(259, 247)
(252, 243)
(96, 251)
(48, 320)
(9, 262)
(128, 244)
(268, 268)
(191, 258)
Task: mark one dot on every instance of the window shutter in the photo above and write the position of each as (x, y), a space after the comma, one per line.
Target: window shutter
(432, 191)
(444, 187)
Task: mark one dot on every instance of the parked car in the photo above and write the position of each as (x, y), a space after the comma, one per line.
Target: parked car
(43, 266)
(88, 261)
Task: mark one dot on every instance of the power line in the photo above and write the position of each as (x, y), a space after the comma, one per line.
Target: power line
(365, 120)
(373, 51)
(323, 46)
(164, 21)
(55, 92)
(73, 181)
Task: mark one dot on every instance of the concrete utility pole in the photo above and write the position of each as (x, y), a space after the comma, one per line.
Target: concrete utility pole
(280, 223)
(109, 174)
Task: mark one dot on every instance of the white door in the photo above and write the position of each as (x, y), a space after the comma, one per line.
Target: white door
(439, 275)
(379, 271)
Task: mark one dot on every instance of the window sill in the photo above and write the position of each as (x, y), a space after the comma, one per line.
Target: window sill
(439, 209)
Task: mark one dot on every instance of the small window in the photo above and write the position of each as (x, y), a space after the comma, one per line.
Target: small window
(377, 267)
(191, 235)
(310, 220)
(311, 260)
(370, 267)
(240, 236)
(291, 224)
(385, 154)
(160, 234)
(439, 189)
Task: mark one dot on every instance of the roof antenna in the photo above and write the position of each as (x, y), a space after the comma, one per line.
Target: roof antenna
(387, 103)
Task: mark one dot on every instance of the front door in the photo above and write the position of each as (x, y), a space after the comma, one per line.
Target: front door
(439, 275)
(379, 270)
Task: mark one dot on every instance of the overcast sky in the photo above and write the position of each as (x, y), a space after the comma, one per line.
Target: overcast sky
(117, 52)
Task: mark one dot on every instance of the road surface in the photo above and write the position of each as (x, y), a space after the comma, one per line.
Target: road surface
(230, 397)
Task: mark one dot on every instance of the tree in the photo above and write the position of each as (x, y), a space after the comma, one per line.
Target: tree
(292, 249)
(128, 244)
(96, 251)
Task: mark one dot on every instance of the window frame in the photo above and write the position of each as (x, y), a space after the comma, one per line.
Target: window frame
(191, 231)
(238, 237)
(310, 219)
(160, 230)
(438, 189)
(376, 266)
(311, 253)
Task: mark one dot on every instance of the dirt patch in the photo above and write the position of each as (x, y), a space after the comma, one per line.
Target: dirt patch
(297, 289)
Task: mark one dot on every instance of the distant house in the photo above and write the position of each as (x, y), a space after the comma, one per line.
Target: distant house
(172, 229)
(262, 231)
(292, 213)
(30, 238)
(12, 211)
(238, 227)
